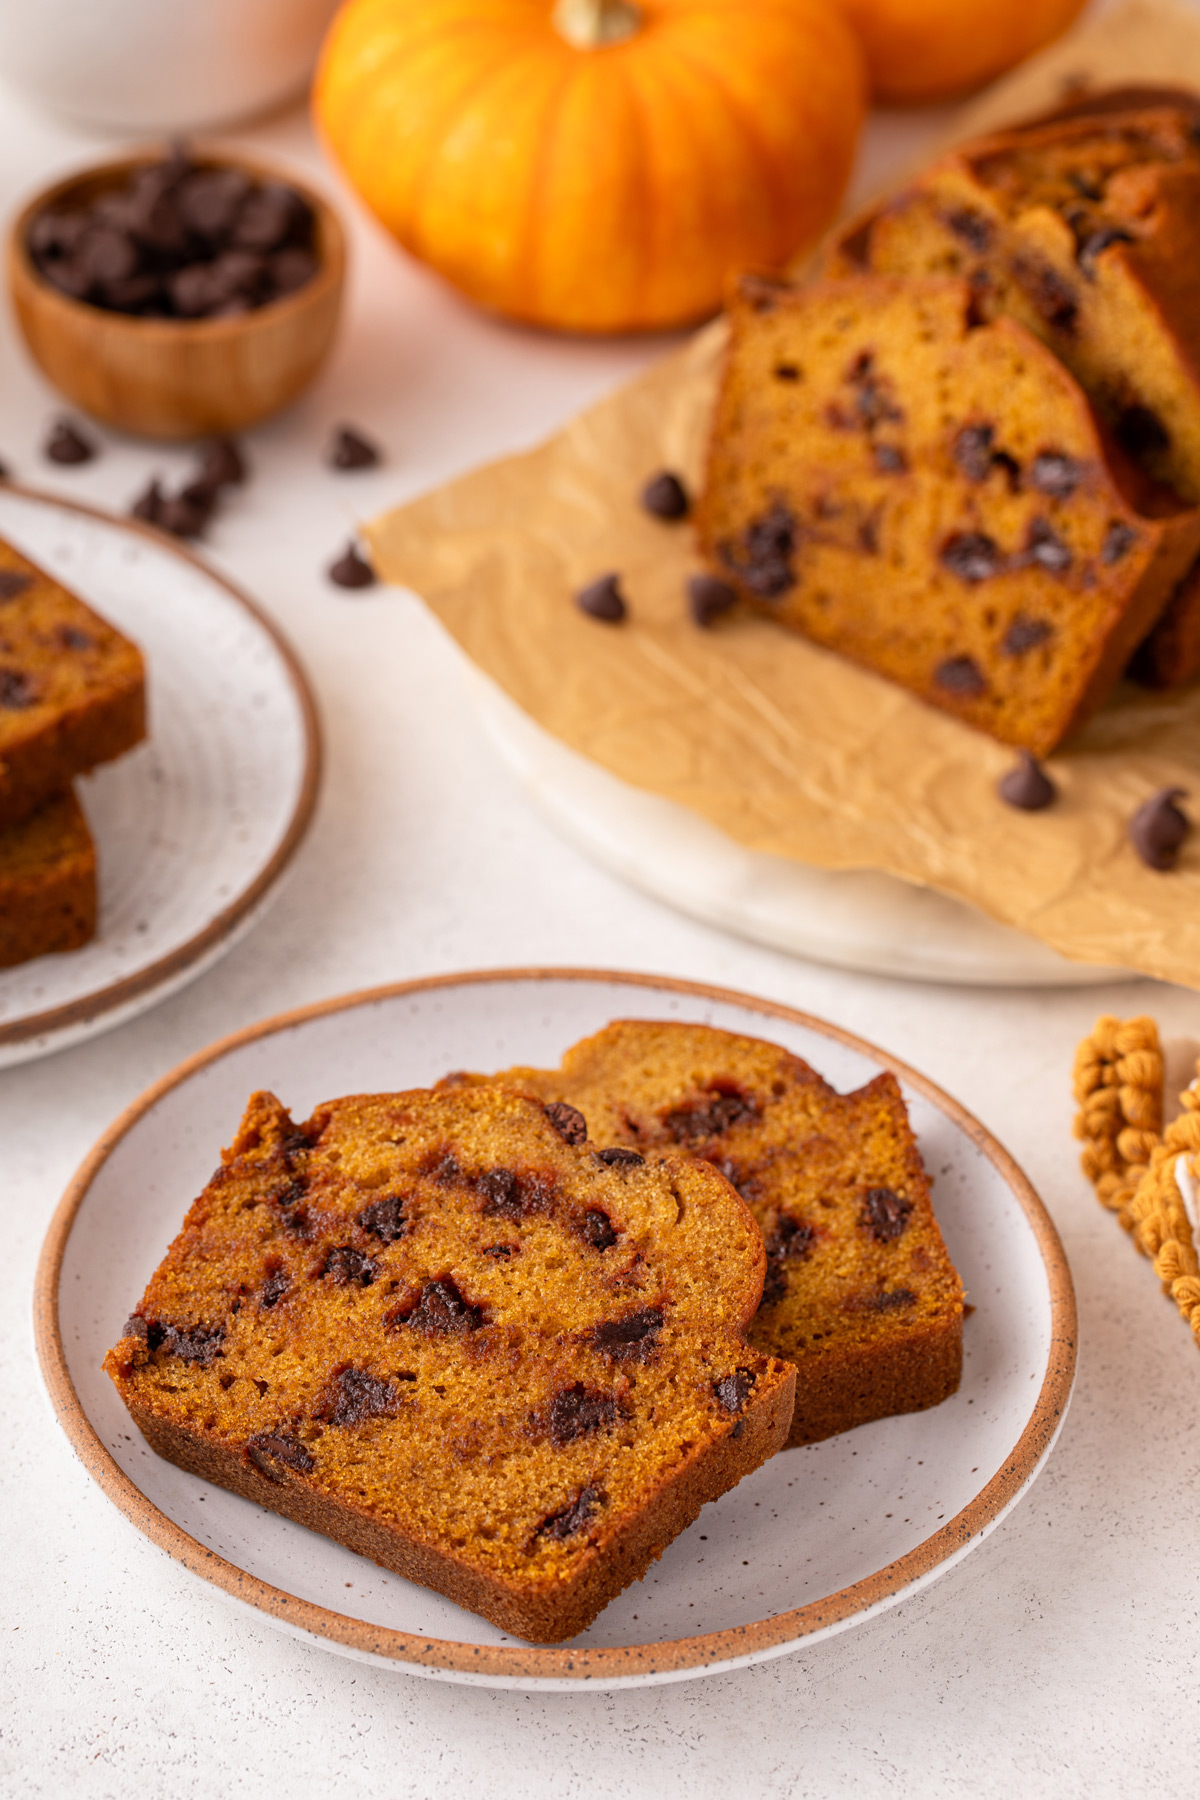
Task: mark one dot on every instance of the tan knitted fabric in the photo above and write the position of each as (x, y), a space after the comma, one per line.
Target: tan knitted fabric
(1161, 1227)
(1119, 1089)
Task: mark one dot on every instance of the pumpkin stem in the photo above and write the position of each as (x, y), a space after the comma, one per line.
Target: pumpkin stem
(591, 24)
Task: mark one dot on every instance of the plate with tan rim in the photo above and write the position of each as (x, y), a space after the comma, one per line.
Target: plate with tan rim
(195, 827)
(817, 1540)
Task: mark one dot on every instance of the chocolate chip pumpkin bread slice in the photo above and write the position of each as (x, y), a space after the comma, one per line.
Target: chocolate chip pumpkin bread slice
(47, 883)
(437, 1329)
(936, 500)
(72, 689)
(860, 1292)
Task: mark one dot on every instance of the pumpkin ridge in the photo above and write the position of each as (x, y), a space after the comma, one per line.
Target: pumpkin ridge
(537, 186)
(760, 151)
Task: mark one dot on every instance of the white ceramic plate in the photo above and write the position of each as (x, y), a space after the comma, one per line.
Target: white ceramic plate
(193, 828)
(816, 1540)
(853, 918)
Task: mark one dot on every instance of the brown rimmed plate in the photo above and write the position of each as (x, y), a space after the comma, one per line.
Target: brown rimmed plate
(817, 1540)
(194, 828)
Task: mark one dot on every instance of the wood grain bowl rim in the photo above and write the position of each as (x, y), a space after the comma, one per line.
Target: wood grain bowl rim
(117, 994)
(330, 237)
(533, 1664)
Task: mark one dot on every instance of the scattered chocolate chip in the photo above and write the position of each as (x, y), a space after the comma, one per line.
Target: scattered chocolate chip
(351, 570)
(354, 1396)
(278, 1447)
(885, 1213)
(570, 1520)
(13, 582)
(873, 399)
(18, 690)
(1047, 292)
(597, 1229)
(1140, 432)
(972, 451)
(1027, 785)
(709, 598)
(137, 1327)
(441, 1311)
(67, 445)
(568, 1121)
(790, 1241)
(385, 1219)
(889, 459)
(631, 1339)
(1158, 828)
(274, 1288)
(1025, 634)
(1055, 473)
(223, 464)
(665, 497)
(971, 228)
(349, 1267)
(1118, 541)
(619, 1158)
(1097, 241)
(181, 517)
(5, 471)
(502, 1192)
(786, 372)
(971, 556)
(603, 600)
(577, 1411)
(880, 1302)
(71, 638)
(961, 675)
(710, 1117)
(501, 1250)
(351, 450)
(194, 1343)
(733, 1391)
(149, 502)
(1046, 548)
(762, 557)
(270, 216)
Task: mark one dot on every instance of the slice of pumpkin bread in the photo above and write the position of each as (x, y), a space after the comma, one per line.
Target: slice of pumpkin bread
(934, 499)
(47, 883)
(435, 1328)
(860, 1292)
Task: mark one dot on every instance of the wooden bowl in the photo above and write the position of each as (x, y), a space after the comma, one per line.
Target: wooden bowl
(177, 378)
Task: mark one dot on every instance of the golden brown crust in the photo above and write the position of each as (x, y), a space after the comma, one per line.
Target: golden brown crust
(72, 689)
(47, 883)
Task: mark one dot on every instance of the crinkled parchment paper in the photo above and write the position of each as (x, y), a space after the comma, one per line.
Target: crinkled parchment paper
(782, 745)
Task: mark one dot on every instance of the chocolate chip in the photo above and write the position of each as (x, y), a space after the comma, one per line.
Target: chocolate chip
(710, 1117)
(961, 675)
(1140, 432)
(501, 1250)
(1027, 785)
(354, 1396)
(207, 201)
(1047, 292)
(270, 216)
(885, 1214)
(597, 1229)
(350, 450)
(1025, 634)
(1046, 548)
(71, 638)
(194, 1343)
(733, 1391)
(762, 557)
(709, 598)
(631, 1339)
(880, 1302)
(137, 1327)
(13, 582)
(67, 445)
(972, 451)
(1097, 241)
(1118, 541)
(289, 270)
(790, 1241)
(568, 1121)
(441, 1311)
(1158, 828)
(278, 1447)
(971, 228)
(786, 372)
(1055, 473)
(502, 1192)
(5, 471)
(385, 1219)
(223, 464)
(578, 1411)
(18, 690)
(619, 1158)
(570, 1520)
(665, 497)
(349, 1267)
(181, 517)
(351, 570)
(603, 600)
(149, 502)
(274, 1288)
(889, 459)
(873, 401)
(971, 556)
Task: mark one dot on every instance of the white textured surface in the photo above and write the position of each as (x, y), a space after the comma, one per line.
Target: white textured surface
(187, 822)
(1061, 1661)
(804, 1527)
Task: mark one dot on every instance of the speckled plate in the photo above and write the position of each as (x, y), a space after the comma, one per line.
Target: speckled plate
(196, 826)
(817, 1540)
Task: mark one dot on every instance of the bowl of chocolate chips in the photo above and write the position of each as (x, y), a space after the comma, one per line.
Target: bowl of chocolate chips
(178, 295)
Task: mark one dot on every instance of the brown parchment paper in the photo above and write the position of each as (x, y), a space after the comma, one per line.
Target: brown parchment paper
(782, 745)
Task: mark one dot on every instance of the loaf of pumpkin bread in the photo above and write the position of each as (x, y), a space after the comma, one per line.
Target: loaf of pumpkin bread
(440, 1330)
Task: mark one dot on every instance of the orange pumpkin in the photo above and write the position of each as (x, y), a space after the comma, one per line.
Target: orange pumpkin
(594, 165)
(931, 49)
